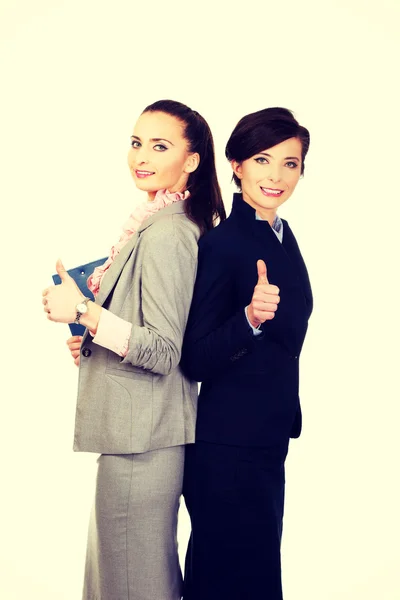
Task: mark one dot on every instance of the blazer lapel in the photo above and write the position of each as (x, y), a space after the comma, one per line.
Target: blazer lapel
(280, 267)
(111, 276)
(264, 241)
(114, 271)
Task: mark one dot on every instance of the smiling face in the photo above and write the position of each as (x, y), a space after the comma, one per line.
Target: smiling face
(159, 156)
(269, 178)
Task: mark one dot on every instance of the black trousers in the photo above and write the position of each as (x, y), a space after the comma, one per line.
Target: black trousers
(235, 498)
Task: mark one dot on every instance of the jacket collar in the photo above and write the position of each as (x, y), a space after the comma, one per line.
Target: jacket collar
(176, 208)
(246, 215)
(278, 256)
(241, 207)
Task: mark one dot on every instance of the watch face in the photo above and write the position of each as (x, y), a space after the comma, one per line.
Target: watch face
(82, 308)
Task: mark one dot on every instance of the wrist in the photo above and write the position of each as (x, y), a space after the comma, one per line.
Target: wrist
(92, 317)
(255, 324)
(250, 317)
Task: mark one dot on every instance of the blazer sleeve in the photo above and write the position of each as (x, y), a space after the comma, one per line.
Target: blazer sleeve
(217, 334)
(167, 281)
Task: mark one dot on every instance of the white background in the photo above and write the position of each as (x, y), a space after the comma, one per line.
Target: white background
(74, 77)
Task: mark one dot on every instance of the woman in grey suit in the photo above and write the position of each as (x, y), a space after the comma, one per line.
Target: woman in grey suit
(135, 407)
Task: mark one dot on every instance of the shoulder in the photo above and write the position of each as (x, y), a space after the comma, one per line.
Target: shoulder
(286, 226)
(220, 241)
(172, 230)
(286, 229)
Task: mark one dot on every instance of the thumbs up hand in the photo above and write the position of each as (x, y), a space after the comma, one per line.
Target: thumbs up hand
(265, 300)
(60, 300)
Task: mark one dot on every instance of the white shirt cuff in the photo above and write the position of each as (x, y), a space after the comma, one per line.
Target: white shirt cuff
(256, 330)
(113, 333)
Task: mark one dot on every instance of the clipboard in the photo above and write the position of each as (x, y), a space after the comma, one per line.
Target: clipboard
(80, 275)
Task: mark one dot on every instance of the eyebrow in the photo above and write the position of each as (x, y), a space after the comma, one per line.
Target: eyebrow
(136, 137)
(287, 157)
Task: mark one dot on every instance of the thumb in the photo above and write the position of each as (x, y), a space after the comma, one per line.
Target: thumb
(61, 270)
(262, 272)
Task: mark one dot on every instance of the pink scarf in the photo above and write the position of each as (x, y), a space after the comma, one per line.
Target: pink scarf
(142, 212)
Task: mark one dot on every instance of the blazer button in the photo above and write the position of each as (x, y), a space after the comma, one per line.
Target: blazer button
(86, 352)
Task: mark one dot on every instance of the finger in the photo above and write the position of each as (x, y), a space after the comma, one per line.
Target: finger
(77, 361)
(72, 344)
(265, 306)
(61, 270)
(75, 353)
(74, 338)
(270, 290)
(261, 295)
(75, 347)
(263, 315)
(262, 272)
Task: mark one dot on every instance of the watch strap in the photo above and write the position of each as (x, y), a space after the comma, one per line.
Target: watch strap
(79, 314)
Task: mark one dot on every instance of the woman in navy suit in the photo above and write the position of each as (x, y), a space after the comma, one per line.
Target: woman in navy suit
(249, 316)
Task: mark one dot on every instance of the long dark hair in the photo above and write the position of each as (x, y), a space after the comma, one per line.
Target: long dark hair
(204, 205)
(264, 129)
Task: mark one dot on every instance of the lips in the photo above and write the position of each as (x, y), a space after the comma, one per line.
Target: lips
(143, 174)
(271, 192)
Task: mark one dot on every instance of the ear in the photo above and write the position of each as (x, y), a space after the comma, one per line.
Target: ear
(237, 168)
(192, 162)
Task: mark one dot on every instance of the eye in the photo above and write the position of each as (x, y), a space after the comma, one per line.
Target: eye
(292, 165)
(135, 144)
(261, 160)
(160, 147)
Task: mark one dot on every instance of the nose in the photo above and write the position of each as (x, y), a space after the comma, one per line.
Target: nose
(141, 156)
(274, 174)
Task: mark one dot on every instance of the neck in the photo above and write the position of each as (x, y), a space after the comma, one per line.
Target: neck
(266, 214)
(151, 195)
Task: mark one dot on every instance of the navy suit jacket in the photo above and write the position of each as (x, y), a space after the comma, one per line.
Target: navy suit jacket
(249, 393)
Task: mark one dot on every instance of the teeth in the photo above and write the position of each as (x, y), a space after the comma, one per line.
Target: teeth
(144, 172)
(272, 191)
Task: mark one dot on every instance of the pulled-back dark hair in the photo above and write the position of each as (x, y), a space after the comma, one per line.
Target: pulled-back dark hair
(262, 130)
(204, 205)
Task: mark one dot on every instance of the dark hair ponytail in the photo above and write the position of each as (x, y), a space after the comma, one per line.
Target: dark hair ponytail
(204, 205)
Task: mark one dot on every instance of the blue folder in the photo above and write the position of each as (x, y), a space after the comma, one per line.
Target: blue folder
(79, 275)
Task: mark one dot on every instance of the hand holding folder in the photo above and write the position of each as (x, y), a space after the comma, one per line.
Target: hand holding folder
(80, 275)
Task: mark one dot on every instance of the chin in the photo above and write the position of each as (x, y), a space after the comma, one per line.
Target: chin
(145, 186)
(272, 203)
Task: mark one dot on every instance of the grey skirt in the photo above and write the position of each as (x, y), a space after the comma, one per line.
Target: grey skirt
(132, 551)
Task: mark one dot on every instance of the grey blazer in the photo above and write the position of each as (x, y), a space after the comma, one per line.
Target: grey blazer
(143, 401)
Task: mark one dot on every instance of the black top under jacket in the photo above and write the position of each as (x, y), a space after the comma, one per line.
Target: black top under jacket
(249, 395)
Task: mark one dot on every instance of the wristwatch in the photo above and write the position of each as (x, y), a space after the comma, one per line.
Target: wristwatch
(81, 309)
